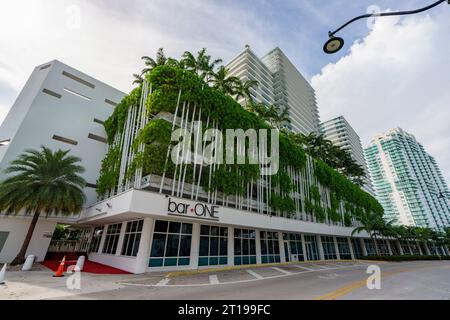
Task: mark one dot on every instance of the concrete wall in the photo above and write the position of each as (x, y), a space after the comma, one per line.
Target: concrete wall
(17, 228)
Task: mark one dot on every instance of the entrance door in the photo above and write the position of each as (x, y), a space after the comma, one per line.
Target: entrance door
(287, 253)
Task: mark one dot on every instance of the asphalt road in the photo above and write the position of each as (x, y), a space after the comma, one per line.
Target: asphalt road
(334, 281)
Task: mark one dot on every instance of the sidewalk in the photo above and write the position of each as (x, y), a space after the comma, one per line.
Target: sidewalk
(40, 284)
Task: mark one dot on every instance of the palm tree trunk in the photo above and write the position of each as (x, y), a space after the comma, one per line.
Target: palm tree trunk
(20, 258)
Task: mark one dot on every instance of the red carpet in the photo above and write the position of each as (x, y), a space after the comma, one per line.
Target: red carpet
(89, 266)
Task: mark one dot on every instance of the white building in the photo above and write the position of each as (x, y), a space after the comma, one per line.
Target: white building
(149, 222)
(342, 135)
(60, 108)
(280, 83)
(407, 180)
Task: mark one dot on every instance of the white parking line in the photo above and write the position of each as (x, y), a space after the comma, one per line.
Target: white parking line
(253, 273)
(304, 268)
(213, 279)
(281, 270)
(163, 282)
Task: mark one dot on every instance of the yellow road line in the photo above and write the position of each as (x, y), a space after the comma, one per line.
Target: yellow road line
(333, 295)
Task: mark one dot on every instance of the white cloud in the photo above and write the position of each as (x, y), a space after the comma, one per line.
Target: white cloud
(397, 76)
(113, 35)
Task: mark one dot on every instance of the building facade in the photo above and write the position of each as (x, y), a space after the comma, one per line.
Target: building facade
(407, 180)
(60, 108)
(153, 221)
(280, 83)
(157, 220)
(342, 135)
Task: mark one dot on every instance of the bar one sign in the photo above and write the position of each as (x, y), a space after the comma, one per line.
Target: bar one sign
(197, 211)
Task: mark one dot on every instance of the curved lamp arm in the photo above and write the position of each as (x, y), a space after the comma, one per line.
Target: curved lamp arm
(334, 44)
(386, 14)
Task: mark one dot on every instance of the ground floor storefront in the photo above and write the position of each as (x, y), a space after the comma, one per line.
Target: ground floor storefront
(150, 244)
(140, 231)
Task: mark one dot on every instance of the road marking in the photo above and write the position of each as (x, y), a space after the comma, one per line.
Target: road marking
(253, 273)
(163, 282)
(285, 273)
(213, 279)
(304, 268)
(333, 295)
(319, 266)
(281, 270)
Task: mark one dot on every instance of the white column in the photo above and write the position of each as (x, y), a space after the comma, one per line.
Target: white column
(400, 249)
(409, 247)
(258, 247)
(231, 246)
(143, 255)
(447, 252)
(419, 247)
(389, 247)
(350, 245)
(195, 245)
(320, 247)
(123, 228)
(102, 240)
(363, 247)
(281, 245)
(336, 247)
(305, 256)
(427, 249)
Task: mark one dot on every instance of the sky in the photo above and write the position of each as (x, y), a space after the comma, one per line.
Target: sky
(392, 72)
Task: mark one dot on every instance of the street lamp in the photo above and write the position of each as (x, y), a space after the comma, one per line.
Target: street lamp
(334, 44)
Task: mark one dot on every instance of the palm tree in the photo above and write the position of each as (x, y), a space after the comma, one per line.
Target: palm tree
(201, 65)
(372, 224)
(45, 181)
(282, 117)
(242, 90)
(138, 78)
(223, 82)
(151, 63)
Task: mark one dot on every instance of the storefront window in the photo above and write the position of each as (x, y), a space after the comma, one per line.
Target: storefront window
(370, 247)
(244, 247)
(270, 247)
(96, 239)
(213, 246)
(112, 238)
(357, 249)
(295, 246)
(329, 250)
(312, 251)
(394, 248)
(344, 248)
(132, 238)
(383, 247)
(171, 245)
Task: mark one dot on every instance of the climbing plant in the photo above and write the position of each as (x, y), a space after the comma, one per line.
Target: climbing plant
(173, 87)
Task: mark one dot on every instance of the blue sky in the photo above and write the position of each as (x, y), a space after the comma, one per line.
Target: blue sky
(383, 78)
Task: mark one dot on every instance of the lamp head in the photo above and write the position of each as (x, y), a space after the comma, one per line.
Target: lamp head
(333, 45)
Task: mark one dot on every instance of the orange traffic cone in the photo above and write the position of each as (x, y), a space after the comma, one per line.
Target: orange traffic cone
(60, 272)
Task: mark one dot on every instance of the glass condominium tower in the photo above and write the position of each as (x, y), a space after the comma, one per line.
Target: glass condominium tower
(342, 135)
(408, 182)
(280, 83)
